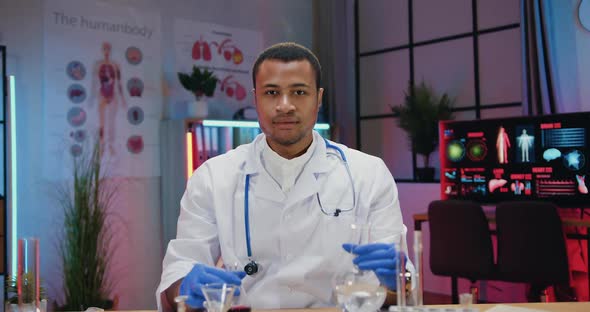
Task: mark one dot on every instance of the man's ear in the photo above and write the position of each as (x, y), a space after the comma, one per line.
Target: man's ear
(254, 95)
(320, 95)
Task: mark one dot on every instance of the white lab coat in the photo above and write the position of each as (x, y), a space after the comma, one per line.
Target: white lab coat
(297, 246)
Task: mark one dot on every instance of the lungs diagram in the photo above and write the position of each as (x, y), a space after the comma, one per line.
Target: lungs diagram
(228, 51)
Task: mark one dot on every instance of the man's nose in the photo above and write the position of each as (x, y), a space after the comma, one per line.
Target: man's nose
(284, 103)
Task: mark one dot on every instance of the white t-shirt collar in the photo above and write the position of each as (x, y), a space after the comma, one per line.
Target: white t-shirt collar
(284, 171)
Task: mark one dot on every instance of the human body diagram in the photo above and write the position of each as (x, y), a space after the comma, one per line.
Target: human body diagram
(107, 90)
(525, 142)
(502, 145)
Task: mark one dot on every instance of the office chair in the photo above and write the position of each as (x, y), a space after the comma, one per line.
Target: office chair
(531, 246)
(460, 243)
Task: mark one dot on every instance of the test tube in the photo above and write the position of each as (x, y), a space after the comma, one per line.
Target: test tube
(241, 298)
(401, 271)
(418, 287)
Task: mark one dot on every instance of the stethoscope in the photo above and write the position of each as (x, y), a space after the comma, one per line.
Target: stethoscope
(252, 267)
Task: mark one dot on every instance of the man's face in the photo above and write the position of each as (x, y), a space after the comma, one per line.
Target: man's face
(287, 102)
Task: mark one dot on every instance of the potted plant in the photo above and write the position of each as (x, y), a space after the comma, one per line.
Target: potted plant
(419, 115)
(85, 247)
(200, 84)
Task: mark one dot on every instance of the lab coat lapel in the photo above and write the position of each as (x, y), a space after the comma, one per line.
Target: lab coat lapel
(318, 164)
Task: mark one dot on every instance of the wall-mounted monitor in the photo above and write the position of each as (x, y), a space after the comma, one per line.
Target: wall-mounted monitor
(523, 158)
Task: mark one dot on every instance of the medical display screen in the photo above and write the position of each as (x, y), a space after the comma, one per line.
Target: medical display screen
(532, 158)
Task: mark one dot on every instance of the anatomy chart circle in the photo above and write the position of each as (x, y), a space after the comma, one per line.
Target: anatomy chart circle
(135, 115)
(76, 93)
(76, 116)
(133, 55)
(76, 70)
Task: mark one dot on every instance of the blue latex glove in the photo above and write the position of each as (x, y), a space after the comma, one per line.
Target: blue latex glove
(203, 274)
(380, 258)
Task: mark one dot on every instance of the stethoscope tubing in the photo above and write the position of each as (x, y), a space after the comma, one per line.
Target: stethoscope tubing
(247, 216)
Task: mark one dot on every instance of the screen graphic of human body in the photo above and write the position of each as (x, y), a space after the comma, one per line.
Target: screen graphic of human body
(107, 87)
(525, 142)
(502, 145)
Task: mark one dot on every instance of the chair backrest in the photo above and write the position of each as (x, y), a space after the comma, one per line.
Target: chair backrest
(531, 243)
(460, 241)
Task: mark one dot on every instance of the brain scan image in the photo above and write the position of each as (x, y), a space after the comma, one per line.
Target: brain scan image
(551, 154)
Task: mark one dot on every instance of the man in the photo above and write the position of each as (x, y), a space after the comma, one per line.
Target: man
(281, 206)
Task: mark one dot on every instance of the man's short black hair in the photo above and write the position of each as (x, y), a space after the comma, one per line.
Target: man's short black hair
(288, 52)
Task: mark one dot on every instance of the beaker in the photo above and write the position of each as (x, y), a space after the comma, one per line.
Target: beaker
(218, 296)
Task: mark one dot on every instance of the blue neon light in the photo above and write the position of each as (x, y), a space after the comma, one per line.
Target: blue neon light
(249, 124)
(13, 175)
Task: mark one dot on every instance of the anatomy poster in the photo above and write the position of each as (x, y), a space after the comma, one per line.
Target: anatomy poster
(102, 84)
(229, 53)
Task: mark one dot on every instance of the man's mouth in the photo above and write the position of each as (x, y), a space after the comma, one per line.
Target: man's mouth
(285, 124)
(284, 121)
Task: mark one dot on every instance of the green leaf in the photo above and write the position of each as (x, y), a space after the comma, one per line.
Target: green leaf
(199, 82)
(419, 115)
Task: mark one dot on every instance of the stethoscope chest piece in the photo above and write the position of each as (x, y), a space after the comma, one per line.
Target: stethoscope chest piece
(251, 268)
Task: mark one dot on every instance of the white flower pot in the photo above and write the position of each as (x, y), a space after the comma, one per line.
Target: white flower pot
(197, 109)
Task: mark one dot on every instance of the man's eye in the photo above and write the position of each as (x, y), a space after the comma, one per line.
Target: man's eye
(300, 92)
(271, 92)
